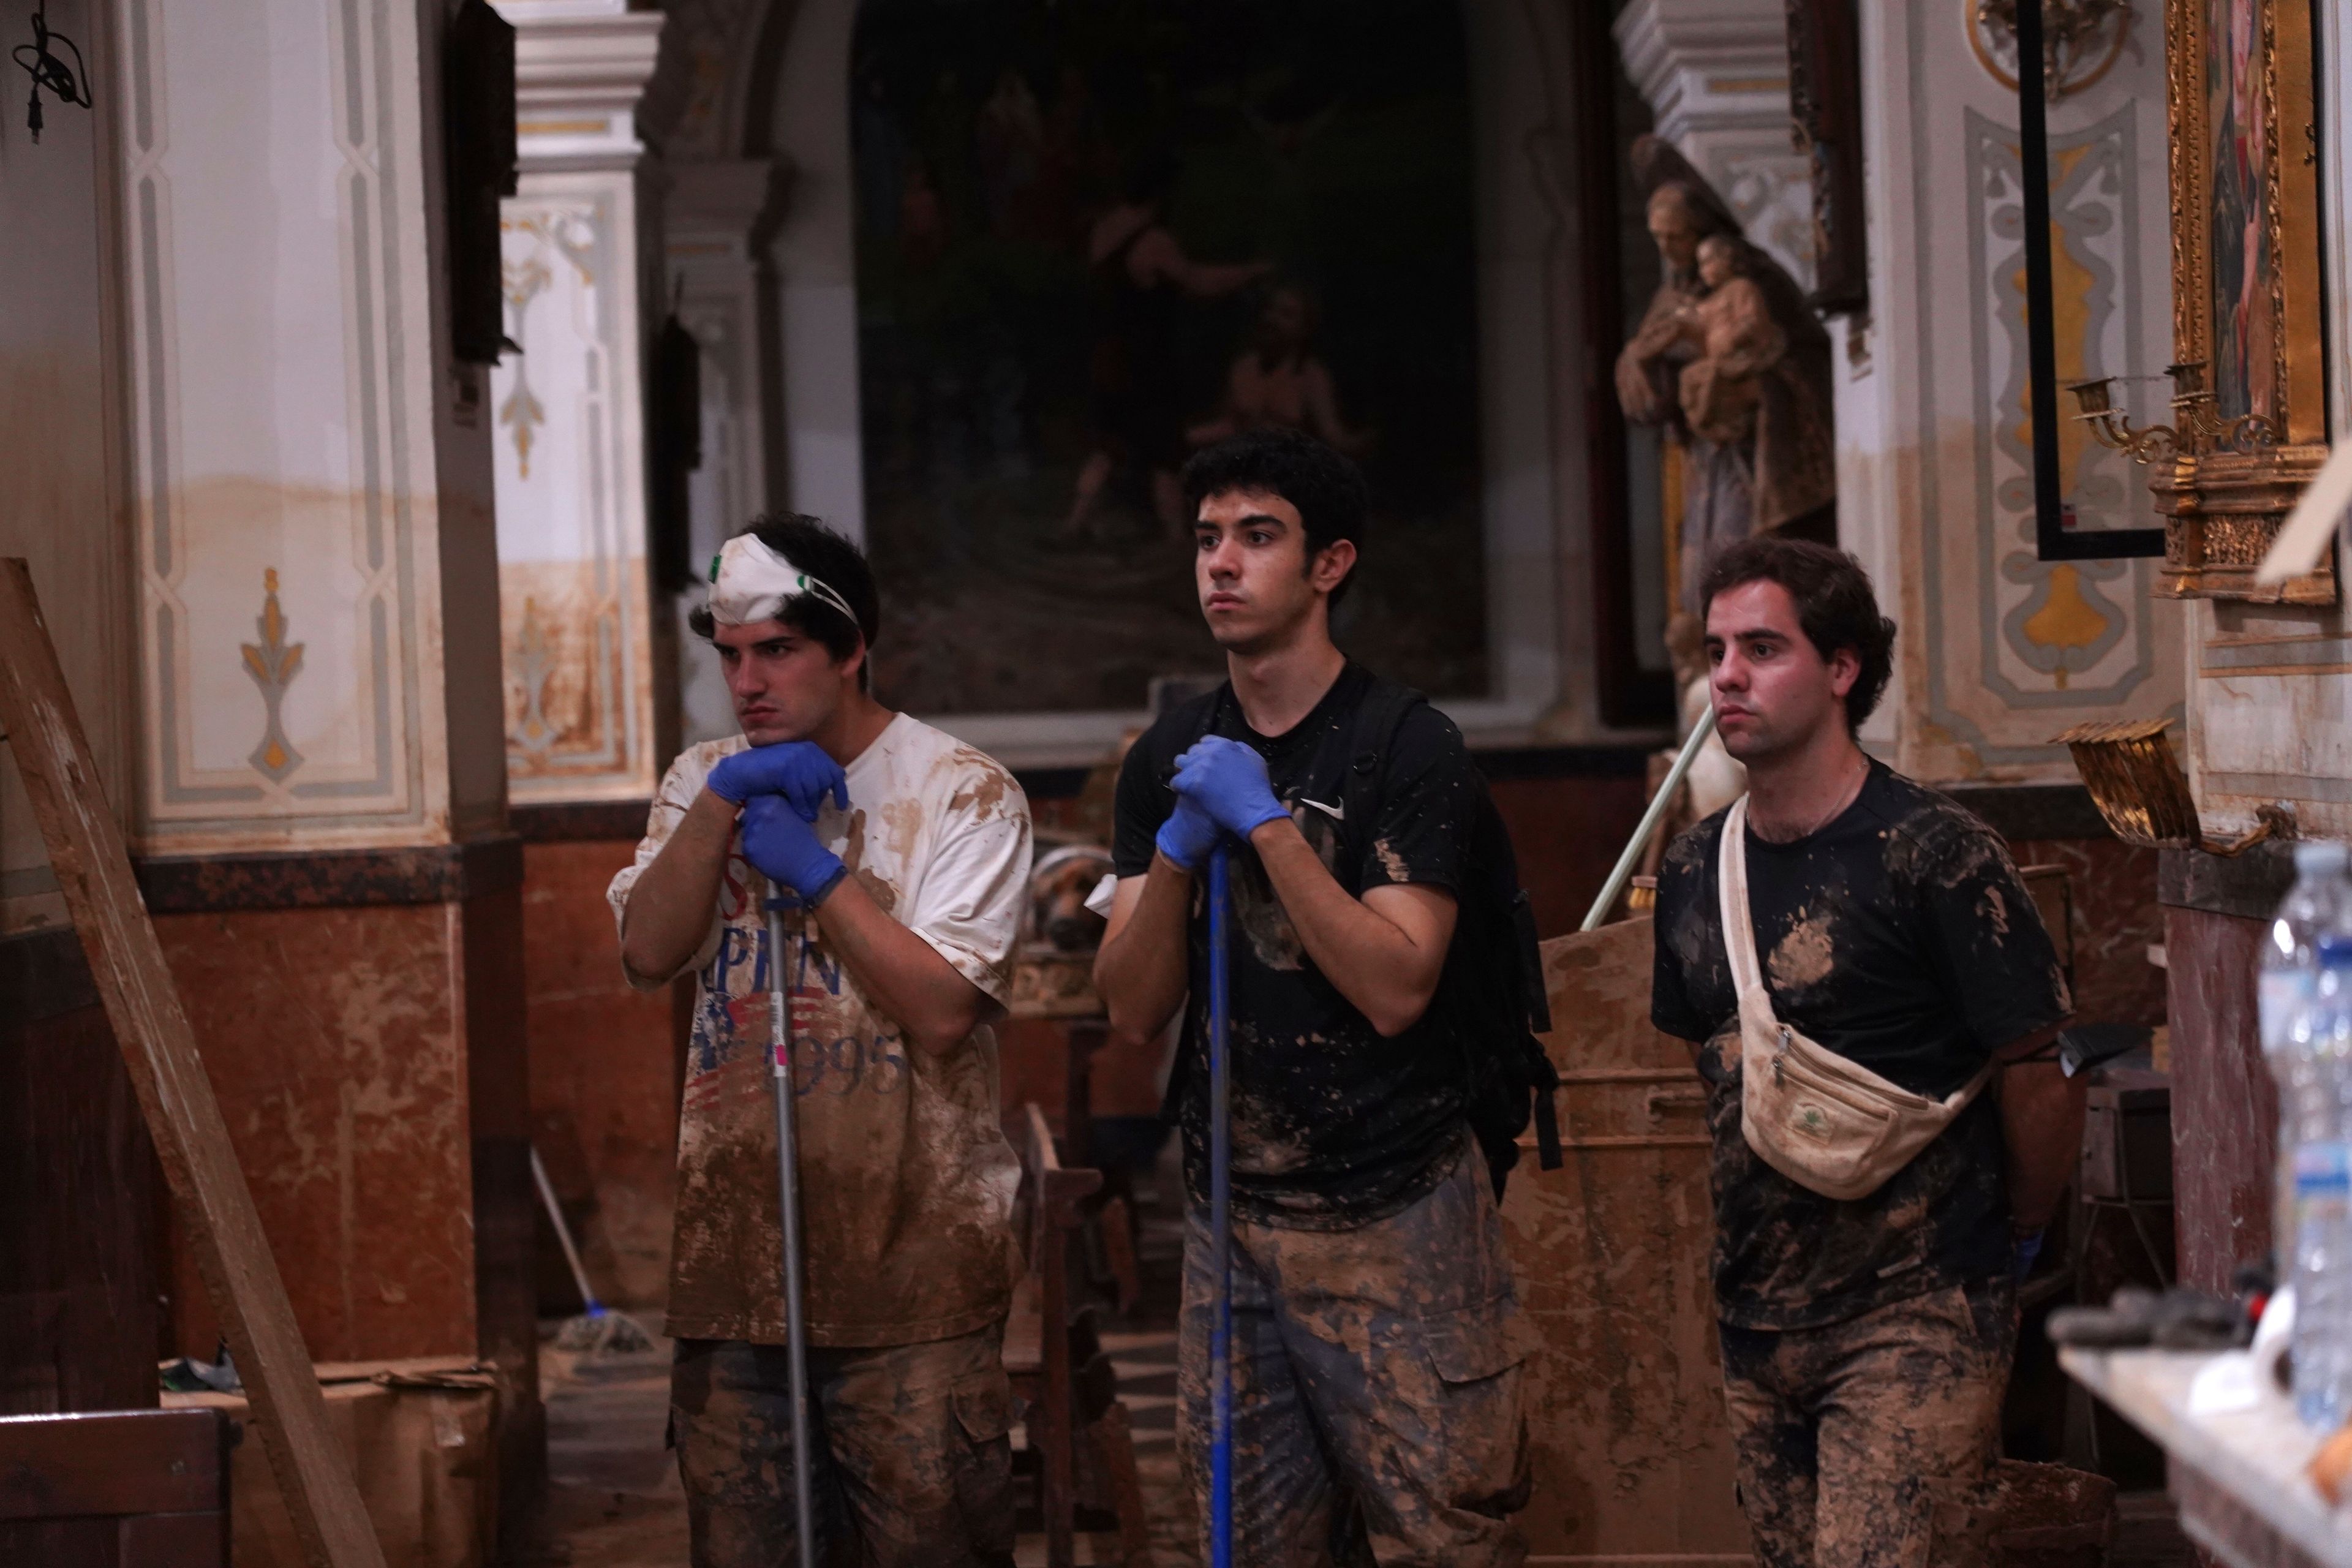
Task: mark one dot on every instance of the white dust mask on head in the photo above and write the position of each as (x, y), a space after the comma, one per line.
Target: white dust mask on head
(750, 581)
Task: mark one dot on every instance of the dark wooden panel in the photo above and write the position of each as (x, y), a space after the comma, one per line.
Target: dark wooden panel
(176, 1539)
(112, 1462)
(139, 1541)
(61, 1543)
(79, 1234)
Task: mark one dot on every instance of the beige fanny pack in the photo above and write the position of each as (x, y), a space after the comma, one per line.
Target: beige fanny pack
(1819, 1120)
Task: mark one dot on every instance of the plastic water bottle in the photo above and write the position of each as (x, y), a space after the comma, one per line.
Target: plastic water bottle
(2320, 900)
(2289, 953)
(2318, 1053)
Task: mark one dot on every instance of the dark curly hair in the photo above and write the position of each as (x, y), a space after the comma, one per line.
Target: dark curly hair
(833, 560)
(1327, 488)
(1835, 605)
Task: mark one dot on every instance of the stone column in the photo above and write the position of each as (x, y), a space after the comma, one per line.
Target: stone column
(717, 218)
(570, 411)
(321, 779)
(589, 652)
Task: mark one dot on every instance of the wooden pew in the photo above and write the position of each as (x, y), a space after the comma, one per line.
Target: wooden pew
(128, 1489)
(1079, 1447)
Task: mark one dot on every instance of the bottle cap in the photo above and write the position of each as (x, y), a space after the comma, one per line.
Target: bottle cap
(2318, 855)
(2335, 950)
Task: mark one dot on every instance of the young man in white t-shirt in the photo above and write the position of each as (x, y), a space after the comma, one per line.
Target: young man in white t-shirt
(905, 854)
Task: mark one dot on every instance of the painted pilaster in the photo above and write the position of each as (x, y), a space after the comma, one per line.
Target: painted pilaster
(569, 410)
(1999, 651)
(320, 800)
(1715, 75)
(299, 438)
(714, 220)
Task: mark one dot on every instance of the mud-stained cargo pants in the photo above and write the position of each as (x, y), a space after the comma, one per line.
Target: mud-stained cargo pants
(1871, 1443)
(914, 1457)
(1376, 1387)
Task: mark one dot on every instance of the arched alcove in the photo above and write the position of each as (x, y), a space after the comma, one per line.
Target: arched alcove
(1092, 240)
(780, 81)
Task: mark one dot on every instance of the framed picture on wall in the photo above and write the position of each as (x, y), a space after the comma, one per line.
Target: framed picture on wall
(2251, 401)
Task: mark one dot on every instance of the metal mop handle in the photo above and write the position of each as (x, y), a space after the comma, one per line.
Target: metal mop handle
(1649, 825)
(1221, 1219)
(788, 1183)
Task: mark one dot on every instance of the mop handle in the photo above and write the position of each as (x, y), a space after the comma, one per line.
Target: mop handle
(1221, 1217)
(1634, 846)
(591, 1306)
(788, 1201)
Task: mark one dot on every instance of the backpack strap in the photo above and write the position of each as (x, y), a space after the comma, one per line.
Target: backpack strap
(1381, 713)
(1373, 737)
(1178, 729)
(1544, 1077)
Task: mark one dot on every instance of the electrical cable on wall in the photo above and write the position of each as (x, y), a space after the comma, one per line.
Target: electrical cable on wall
(48, 69)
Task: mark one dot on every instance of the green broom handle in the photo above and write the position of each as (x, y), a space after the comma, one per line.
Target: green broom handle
(1634, 846)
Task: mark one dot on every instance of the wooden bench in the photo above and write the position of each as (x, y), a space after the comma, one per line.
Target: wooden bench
(128, 1489)
(1059, 1370)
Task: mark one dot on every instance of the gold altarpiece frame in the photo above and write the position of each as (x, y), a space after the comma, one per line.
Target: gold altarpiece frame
(2249, 407)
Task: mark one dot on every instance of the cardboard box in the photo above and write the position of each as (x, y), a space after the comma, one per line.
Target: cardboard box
(419, 1436)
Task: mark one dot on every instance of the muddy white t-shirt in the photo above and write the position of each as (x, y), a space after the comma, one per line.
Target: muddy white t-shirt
(906, 1180)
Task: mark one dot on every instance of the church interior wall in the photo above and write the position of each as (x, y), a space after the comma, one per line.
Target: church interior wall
(80, 1276)
(1999, 651)
(273, 582)
(605, 1063)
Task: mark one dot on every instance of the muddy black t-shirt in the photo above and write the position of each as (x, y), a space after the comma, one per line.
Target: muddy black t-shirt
(1333, 1126)
(1901, 937)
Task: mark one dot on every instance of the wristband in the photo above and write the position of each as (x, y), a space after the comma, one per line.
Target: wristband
(823, 890)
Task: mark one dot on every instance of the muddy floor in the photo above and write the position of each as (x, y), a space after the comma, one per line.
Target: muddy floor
(614, 1498)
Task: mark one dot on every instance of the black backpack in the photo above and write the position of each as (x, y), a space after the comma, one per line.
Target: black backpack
(1491, 995)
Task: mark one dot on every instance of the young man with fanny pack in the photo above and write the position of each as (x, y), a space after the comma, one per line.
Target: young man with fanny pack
(1874, 1000)
(1380, 1025)
(902, 857)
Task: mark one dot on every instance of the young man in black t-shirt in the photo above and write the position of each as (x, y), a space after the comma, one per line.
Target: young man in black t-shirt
(1866, 1344)
(1376, 1334)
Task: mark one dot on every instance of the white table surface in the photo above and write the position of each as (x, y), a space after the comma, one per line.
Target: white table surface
(2256, 1456)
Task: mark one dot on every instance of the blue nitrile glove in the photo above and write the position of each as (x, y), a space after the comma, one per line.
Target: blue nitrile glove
(1228, 781)
(797, 770)
(2028, 1247)
(786, 849)
(1187, 835)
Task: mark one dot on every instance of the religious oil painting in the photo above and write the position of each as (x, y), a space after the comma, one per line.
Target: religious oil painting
(1094, 238)
(2240, 128)
(2240, 107)
(2245, 208)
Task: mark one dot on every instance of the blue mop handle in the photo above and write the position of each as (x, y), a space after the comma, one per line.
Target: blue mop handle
(1221, 1219)
(780, 991)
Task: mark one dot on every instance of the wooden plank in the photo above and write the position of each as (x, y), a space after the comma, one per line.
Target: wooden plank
(111, 1462)
(92, 867)
(175, 1540)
